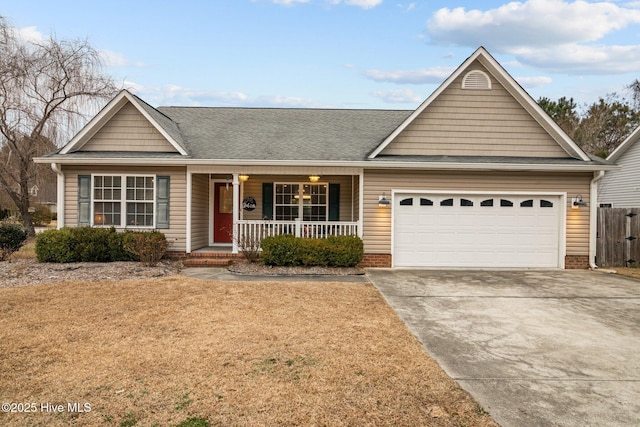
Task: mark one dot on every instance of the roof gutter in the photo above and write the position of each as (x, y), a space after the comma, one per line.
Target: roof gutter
(331, 163)
(593, 216)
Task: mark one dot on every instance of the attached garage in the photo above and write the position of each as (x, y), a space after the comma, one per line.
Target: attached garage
(449, 229)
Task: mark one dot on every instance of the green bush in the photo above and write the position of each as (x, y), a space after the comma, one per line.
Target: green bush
(12, 237)
(41, 216)
(56, 246)
(149, 247)
(280, 250)
(86, 244)
(335, 251)
(345, 251)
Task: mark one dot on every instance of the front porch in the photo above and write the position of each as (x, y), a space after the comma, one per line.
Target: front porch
(228, 211)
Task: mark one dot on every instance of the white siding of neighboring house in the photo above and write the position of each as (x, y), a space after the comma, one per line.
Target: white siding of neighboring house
(621, 188)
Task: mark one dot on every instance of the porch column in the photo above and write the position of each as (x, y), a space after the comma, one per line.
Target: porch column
(236, 213)
(361, 204)
(189, 195)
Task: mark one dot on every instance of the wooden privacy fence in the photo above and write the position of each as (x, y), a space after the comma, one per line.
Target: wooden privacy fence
(618, 238)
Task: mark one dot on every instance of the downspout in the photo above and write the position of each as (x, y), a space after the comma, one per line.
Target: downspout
(59, 194)
(593, 216)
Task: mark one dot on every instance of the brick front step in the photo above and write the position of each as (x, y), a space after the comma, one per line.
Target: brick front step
(211, 259)
(207, 262)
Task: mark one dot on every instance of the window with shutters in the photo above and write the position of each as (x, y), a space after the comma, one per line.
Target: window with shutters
(293, 199)
(124, 200)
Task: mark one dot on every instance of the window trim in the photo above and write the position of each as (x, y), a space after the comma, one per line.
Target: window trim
(123, 200)
(301, 206)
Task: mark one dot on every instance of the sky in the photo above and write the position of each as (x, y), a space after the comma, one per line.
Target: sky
(373, 54)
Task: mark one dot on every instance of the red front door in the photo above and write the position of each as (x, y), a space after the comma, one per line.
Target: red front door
(222, 213)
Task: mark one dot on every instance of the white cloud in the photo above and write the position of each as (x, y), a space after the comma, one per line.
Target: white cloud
(539, 22)
(400, 96)
(551, 34)
(28, 34)
(289, 2)
(115, 59)
(422, 76)
(534, 82)
(180, 96)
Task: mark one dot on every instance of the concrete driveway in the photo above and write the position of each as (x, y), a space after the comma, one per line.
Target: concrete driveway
(534, 348)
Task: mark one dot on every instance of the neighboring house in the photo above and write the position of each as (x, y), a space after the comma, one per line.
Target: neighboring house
(621, 188)
(477, 176)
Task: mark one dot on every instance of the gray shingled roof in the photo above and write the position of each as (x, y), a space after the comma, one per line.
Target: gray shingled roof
(282, 134)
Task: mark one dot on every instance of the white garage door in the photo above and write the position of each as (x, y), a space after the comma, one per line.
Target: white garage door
(454, 230)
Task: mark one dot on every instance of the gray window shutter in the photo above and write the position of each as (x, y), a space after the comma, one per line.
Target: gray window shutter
(267, 200)
(334, 202)
(84, 200)
(162, 202)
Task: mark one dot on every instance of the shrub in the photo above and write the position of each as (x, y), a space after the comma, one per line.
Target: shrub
(41, 216)
(335, 251)
(280, 250)
(82, 244)
(149, 247)
(345, 251)
(12, 237)
(56, 246)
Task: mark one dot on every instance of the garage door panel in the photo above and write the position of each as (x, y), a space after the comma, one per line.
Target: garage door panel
(477, 231)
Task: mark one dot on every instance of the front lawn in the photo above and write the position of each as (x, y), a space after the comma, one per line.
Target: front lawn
(174, 350)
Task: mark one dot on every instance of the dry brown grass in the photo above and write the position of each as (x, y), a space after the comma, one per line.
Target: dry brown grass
(157, 352)
(27, 251)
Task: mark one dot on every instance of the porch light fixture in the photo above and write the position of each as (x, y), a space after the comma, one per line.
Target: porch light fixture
(578, 202)
(383, 201)
(243, 177)
(314, 178)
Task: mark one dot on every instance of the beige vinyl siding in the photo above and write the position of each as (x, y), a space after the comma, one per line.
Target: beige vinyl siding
(176, 234)
(622, 187)
(253, 188)
(128, 130)
(467, 122)
(199, 211)
(377, 220)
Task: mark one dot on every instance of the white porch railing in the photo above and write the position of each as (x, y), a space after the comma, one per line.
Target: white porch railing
(248, 229)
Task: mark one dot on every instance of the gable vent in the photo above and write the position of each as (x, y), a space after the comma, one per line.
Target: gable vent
(476, 80)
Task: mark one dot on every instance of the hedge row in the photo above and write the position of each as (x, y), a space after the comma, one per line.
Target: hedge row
(86, 244)
(334, 251)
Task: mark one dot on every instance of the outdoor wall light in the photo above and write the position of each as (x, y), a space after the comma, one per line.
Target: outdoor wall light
(383, 201)
(577, 202)
(243, 177)
(314, 178)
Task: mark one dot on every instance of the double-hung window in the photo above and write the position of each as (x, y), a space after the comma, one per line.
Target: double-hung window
(123, 201)
(307, 202)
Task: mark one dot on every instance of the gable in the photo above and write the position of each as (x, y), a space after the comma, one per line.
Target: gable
(475, 122)
(128, 130)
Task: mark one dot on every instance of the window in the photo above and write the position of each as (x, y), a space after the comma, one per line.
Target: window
(107, 196)
(527, 204)
(425, 202)
(407, 202)
(546, 204)
(506, 203)
(140, 201)
(466, 202)
(487, 203)
(308, 199)
(123, 201)
(446, 202)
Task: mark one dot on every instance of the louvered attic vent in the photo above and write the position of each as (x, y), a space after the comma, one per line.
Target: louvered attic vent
(476, 80)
